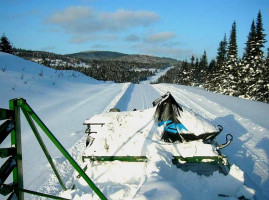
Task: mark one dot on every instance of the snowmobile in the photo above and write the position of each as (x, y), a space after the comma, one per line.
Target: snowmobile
(186, 136)
(167, 149)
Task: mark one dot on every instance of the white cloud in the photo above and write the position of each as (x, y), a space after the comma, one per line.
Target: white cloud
(162, 51)
(76, 39)
(160, 37)
(70, 15)
(132, 38)
(85, 20)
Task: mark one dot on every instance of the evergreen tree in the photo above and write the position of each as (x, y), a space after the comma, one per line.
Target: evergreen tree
(203, 66)
(229, 72)
(204, 61)
(258, 76)
(250, 53)
(222, 52)
(5, 45)
(192, 71)
(192, 61)
(232, 49)
(185, 78)
(212, 66)
(196, 73)
(260, 35)
(267, 59)
(210, 76)
(248, 62)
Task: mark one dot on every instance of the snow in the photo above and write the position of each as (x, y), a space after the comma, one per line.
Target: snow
(156, 77)
(65, 99)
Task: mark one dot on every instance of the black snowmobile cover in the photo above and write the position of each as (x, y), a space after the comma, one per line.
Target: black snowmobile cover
(169, 115)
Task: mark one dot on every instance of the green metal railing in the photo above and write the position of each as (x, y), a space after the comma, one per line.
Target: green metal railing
(14, 163)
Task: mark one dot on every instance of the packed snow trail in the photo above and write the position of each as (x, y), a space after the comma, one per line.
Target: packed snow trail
(248, 149)
(138, 96)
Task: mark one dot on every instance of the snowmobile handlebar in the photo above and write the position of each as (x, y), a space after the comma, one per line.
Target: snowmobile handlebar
(229, 139)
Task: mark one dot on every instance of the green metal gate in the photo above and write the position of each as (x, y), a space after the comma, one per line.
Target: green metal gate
(14, 153)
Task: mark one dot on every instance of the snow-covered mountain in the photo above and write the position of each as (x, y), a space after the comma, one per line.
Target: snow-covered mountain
(64, 99)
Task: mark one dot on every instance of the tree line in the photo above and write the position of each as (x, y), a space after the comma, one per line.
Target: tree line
(247, 77)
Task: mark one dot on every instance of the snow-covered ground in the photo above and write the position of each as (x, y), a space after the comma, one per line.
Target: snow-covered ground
(63, 100)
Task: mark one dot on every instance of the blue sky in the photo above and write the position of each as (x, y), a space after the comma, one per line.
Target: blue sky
(169, 28)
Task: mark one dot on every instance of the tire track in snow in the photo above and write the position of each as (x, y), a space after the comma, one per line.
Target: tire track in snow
(257, 158)
(143, 95)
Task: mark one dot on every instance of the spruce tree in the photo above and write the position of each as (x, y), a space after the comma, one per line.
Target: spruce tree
(192, 71)
(229, 72)
(192, 61)
(267, 59)
(260, 35)
(196, 73)
(259, 76)
(248, 63)
(222, 52)
(221, 58)
(250, 53)
(5, 45)
(203, 66)
(210, 76)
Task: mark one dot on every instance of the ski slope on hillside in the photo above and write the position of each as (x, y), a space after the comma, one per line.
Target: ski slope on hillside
(64, 99)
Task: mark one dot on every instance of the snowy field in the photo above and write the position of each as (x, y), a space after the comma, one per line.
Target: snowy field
(65, 99)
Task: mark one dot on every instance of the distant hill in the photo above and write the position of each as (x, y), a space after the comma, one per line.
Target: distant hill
(147, 59)
(97, 55)
(102, 65)
(116, 56)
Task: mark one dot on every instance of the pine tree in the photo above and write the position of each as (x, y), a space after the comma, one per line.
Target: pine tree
(5, 45)
(222, 52)
(192, 71)
(192, 61)
(232, 49)
(250, 48)
(259, 76)
(248, 62)
(260, 35)
(196, 73)
(204, 61)
(267, 59)
(229, 72)
(210, 76)
(203, 66)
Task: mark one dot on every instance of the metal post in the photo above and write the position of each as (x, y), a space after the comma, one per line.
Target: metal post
(16, 141)
(43, 146)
